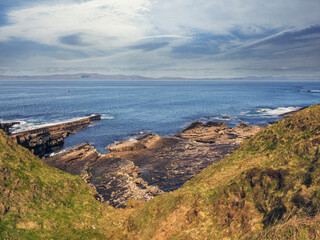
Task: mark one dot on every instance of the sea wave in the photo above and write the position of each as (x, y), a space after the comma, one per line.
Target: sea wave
(59, 152)
(34, 124)
(312, 91)
(107, 117)
(131, 138)
(244, 113)
(30, 125)
(134, 136)
(277, 111)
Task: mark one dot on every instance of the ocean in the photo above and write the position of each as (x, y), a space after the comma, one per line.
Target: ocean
(133, 108)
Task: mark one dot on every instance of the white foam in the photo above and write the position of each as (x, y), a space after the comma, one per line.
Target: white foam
(244, 113)
(107, 117)
(55, 153)
(33, 124)
(314, 91)
(132, 138)
(222, 118)
(26, 126)
(278, 111)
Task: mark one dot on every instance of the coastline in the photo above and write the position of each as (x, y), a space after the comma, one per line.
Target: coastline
(151, 165)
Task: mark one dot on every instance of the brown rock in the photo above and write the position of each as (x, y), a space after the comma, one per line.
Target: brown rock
(75, 160)
(46, 139)
(6, 126)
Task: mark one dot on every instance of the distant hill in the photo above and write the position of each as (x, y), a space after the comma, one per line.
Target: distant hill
(96, 76)
(268, 189)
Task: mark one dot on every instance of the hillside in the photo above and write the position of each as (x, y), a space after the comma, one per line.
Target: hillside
(41, 202)
(268, 189)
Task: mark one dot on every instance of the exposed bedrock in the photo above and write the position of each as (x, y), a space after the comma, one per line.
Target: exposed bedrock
(116, 180)
(75, 160)
(168, 162)
(7, 126)
(139, 169)
(44, 140)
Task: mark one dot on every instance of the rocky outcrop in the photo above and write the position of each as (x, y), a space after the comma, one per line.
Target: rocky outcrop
(148, 141)
(169, 162)
(7, 126)
(218, 132)
(147, 167)
(116, 180)
(44, 140)
(75, 160)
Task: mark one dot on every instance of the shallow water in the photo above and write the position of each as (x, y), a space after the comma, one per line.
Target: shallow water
(132, 108)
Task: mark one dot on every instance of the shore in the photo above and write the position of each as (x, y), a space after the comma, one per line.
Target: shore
(152, 164)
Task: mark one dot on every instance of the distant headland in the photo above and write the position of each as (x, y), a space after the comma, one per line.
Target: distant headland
(97, 76)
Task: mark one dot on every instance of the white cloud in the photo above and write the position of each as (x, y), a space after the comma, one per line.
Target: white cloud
(106, 24)
(108, 32)
(116, 23)
(220, 17)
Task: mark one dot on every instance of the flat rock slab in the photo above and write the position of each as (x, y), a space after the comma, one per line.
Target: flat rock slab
(44, 140)
(75, 160)
(116, 180)
(151, 165)
(169, 162)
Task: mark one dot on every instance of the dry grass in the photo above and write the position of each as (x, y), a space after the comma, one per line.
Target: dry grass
(268, 189)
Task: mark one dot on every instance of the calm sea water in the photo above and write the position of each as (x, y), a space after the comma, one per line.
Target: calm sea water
(132, 108)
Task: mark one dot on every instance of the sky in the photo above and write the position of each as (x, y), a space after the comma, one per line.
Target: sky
(155, 38)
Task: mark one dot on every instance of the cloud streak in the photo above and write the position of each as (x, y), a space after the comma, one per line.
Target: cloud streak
(152, 37)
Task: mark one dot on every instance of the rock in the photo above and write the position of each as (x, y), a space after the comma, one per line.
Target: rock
(116, 180)
(44, 140)
(143, 142)
(6, 126)
(76, 160)
(126, 146)
(193, 125)
(169, 162)
(152, 165)
(242, 125)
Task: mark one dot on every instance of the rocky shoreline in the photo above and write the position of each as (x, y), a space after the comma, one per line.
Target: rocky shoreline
(140, 169)
(44, 140)
(151, 165)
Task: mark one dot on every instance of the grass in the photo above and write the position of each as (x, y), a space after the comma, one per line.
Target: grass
(41, 202)
(271, 182)
(268, 189)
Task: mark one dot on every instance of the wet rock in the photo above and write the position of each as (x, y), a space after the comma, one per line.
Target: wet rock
(171, 161)
(7, 126)
(152, 165)
(76, 160)
(44, 140)
(116, 180)
(142, 143)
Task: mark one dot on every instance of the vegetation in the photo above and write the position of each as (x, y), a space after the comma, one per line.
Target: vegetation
(41, 202)
(268, 189)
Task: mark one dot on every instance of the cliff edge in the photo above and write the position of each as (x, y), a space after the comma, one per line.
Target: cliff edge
(268, 189)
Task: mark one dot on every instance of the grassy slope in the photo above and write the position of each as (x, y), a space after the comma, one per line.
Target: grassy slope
(269, 188)
(38, 201)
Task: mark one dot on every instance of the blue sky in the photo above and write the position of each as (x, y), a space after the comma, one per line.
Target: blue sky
(185, 38)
